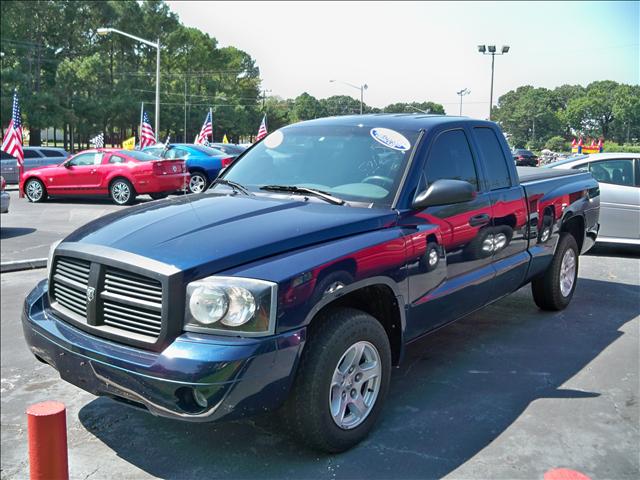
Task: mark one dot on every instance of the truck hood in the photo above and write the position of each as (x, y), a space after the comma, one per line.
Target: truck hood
(212, 232)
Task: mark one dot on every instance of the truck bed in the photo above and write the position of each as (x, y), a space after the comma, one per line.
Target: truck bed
(532, 174)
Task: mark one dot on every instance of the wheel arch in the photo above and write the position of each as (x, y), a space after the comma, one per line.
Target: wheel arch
(377, 296)
(574, 224)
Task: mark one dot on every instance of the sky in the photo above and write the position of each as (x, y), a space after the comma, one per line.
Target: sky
(425, 51)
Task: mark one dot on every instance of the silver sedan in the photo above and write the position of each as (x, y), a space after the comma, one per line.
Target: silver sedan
(4, 197)
(619, 178)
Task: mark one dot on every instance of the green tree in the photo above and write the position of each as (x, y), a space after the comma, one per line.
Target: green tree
(415, 107)
(306, 107)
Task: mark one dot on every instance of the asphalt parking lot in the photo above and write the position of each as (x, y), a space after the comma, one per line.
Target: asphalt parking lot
(508, 392)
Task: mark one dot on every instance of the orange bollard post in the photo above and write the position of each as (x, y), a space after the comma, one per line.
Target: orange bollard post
(47, 428)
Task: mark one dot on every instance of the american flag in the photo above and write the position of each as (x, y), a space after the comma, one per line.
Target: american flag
(97, 141)
(146, 132)
(262, 131)
(205, 131)
(12, 142)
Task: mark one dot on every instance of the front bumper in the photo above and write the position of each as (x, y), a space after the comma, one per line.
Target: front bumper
(196, 378)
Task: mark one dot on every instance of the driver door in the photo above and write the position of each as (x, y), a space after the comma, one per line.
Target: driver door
(80, 174)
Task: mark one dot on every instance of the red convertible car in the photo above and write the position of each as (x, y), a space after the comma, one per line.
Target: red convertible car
(121, 174)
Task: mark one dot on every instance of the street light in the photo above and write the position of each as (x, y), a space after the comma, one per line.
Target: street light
(362, 88)
(491, 50)
(156, 45)
(462, 93)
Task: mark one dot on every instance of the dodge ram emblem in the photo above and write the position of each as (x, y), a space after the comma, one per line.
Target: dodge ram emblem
(91, 293)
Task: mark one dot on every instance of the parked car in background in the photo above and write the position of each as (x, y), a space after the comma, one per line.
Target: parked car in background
(229, 148)
(5, 199)
(524, 158)
(204, 163)
(34, 157)
(121, 174)
(619, 178)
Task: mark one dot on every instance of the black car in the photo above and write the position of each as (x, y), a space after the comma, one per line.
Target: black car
(228, 148)
(524, 158)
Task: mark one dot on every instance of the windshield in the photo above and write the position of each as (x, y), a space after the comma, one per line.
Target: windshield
(354, 163)
(138, 155)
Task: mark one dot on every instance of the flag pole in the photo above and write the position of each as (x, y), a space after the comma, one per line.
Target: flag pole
(211, 116)
(140, 127)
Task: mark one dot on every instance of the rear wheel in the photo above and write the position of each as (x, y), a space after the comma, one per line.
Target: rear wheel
(341, 382)
(122, 192)
(35, 191)
(554, 289)
(198, 182)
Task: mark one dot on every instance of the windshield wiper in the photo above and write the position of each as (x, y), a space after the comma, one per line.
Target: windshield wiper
(310, 191)
(235, 186)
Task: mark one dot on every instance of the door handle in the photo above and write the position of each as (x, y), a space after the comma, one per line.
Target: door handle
(479, 220)
(93, 170)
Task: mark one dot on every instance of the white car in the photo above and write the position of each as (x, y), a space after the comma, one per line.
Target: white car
(619, 178)
(4, 196)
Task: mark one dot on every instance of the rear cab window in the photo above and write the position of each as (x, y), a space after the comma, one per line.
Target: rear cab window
(490, 149)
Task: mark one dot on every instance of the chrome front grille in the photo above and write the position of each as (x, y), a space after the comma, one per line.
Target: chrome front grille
(109, 301)
(132, 302)
(70, 282)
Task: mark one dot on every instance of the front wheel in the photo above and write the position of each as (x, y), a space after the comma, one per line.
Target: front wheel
(121, 192)
(341, 382)
(35, 191)
(198, 182)
(554, 289)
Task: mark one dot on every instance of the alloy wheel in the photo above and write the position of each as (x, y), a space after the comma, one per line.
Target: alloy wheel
(355, 385)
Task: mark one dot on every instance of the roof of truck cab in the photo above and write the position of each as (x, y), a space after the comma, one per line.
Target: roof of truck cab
(400, 121)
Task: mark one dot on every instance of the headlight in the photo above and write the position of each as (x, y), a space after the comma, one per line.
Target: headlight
(231, 305)
(52, 250)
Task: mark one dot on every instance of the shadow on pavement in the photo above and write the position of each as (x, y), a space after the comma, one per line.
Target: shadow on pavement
(615, 250)
(457, 391)
(11, 232)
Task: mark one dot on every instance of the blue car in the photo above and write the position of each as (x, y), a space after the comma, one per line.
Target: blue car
(204, 163)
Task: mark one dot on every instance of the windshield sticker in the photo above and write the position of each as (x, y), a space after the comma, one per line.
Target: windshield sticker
(390, 138)
(274, 140)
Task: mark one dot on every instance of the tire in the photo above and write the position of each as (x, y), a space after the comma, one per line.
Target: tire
(337, 335)
(550, 292)
(198, 182)
(431, 258)
(35, 190)
(158, 196)
(122, 192)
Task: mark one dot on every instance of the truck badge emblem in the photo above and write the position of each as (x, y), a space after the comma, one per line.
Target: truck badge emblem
(91, 293)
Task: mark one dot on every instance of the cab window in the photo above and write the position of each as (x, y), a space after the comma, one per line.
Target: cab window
(451, 158)
(494, 160)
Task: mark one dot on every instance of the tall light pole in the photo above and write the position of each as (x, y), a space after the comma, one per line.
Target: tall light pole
(491, 50)
(362, 88)
(462, 93)
(156, 45)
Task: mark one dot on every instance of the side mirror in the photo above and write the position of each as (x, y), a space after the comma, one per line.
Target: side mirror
(444, 192)
(67, 165)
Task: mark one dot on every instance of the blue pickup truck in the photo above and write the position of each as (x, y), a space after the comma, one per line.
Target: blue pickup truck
(294, 283)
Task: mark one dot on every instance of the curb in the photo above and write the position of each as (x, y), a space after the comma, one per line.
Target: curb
(18, 265)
